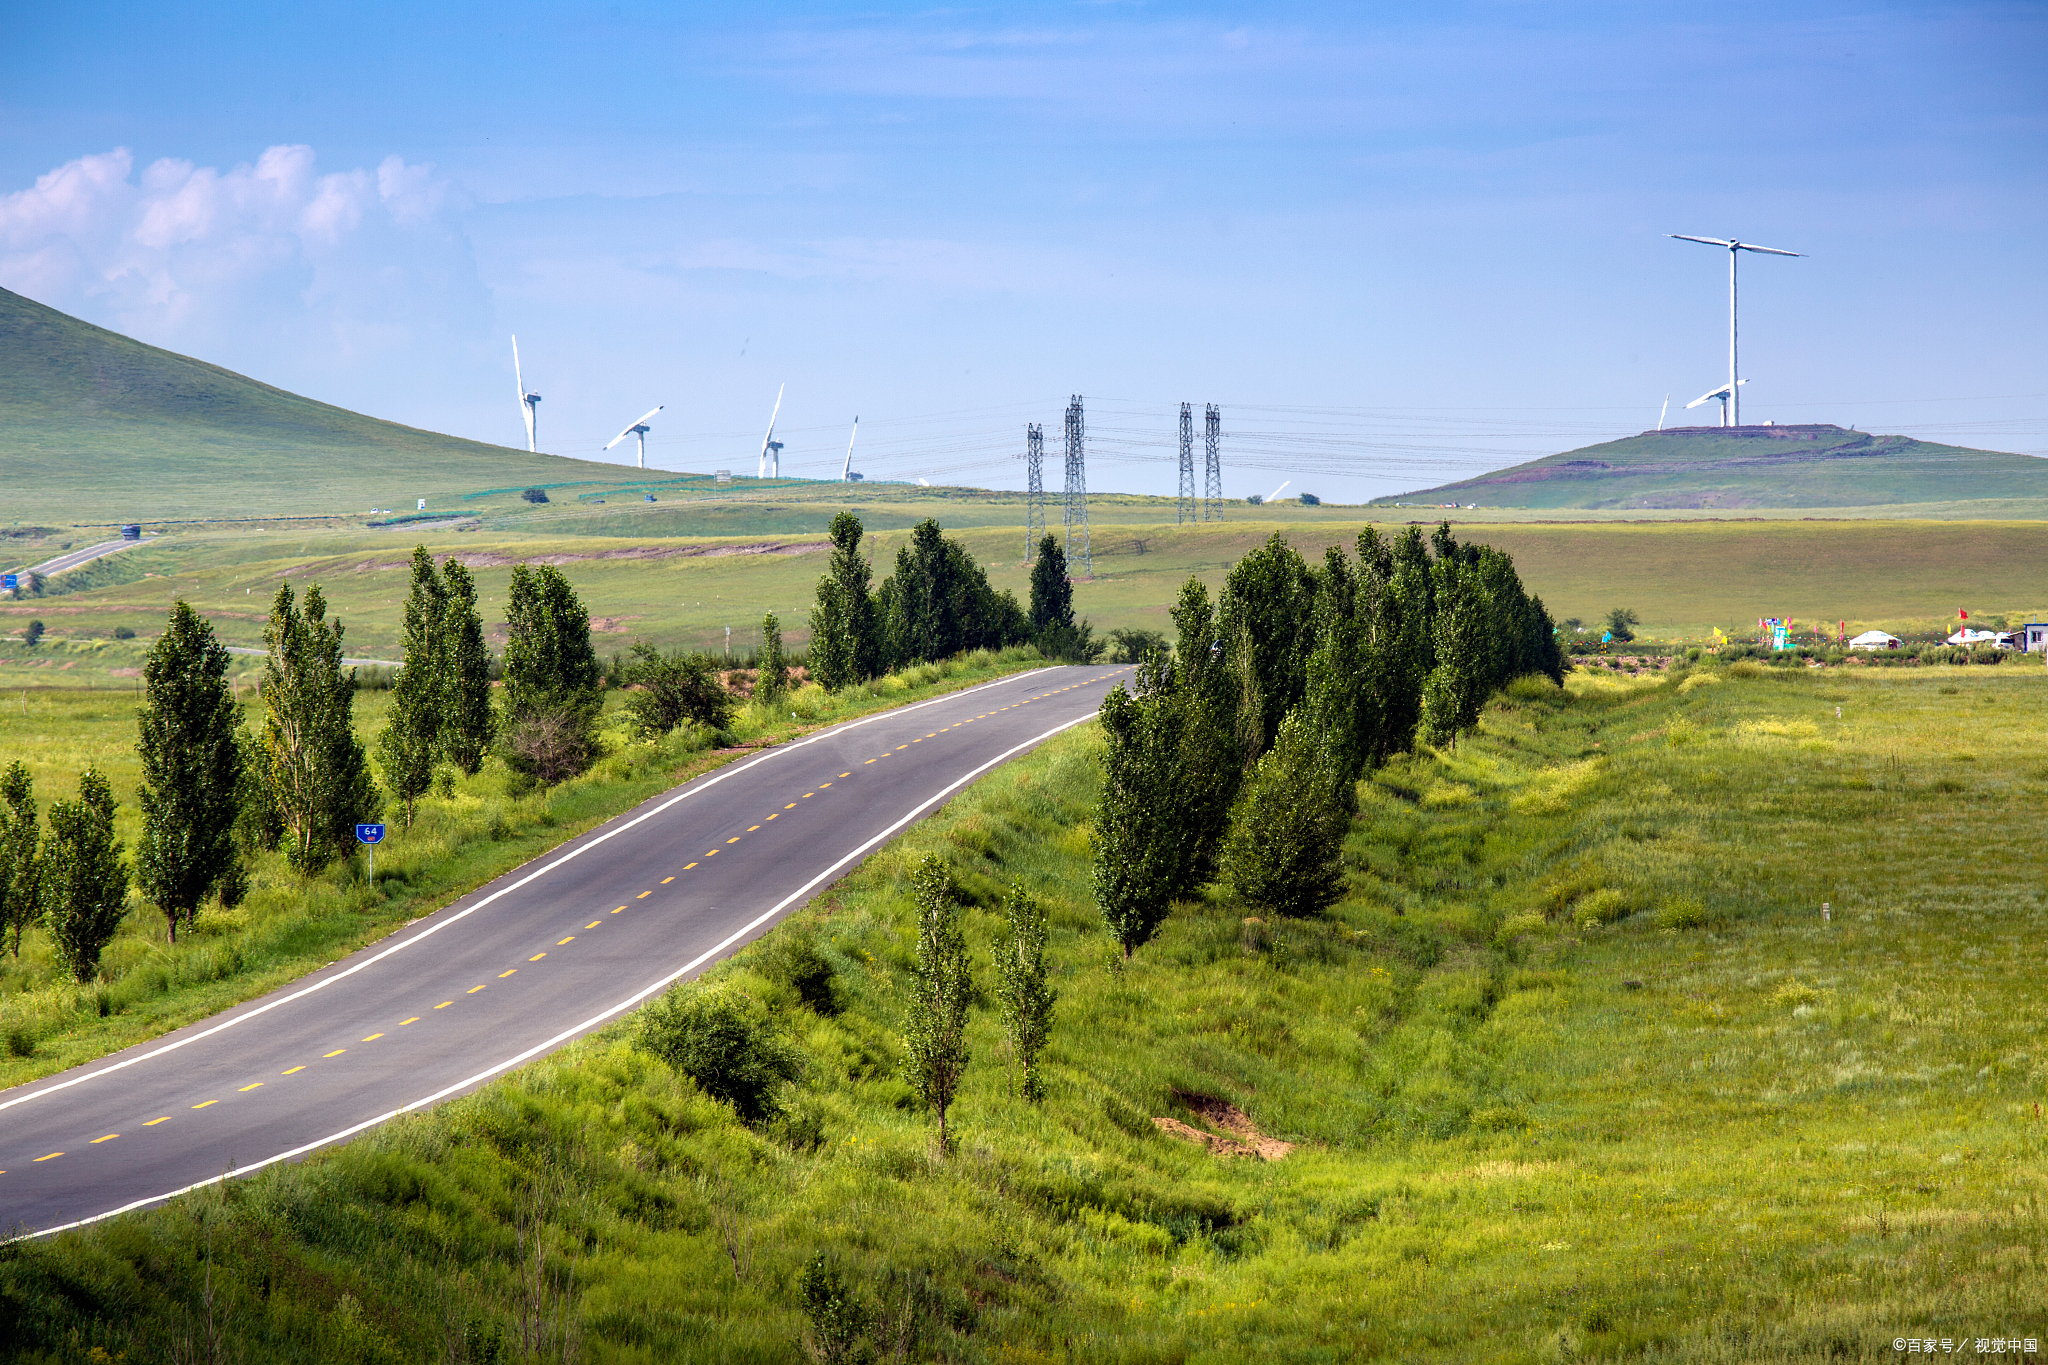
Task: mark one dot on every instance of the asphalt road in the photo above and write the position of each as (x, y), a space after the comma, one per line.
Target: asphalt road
(71, 559)
(537, 958)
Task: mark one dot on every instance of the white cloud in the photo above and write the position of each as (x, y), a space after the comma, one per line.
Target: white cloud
(327, 282)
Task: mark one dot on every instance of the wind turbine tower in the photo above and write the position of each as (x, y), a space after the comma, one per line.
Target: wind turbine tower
(529, 403)
(846, 471)
(1077, 485)
(771, 449)
(639, 429)
(1731, 407)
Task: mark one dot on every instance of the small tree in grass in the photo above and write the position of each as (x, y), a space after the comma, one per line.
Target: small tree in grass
(838, 1330)
(674, 688)
(85, 881)
(723, 1040)
(191, 770)
(1021, 986)
(21, 863)
(935, 1025)
(319, 777)
(1283, 853)
(552, 679)
(771, 679)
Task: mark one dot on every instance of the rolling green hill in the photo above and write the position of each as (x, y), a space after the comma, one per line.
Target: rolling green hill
(1760, 466)
(96, 427)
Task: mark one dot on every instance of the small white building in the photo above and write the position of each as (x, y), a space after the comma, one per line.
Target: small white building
(2032, 637)
(1874, 639)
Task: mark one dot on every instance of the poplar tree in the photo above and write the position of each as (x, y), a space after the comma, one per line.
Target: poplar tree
(412, 729)
(468, 725)
(1025, 994)
(1052, 594)
(1269, 602)
(1284, 852)
(319, 777)
(85, 881)
(935, 1023)
(1458, 686)
(1138, 842)
(552, 678)
(844, 643)
(21, 863)
(190, 792)
(771, 677)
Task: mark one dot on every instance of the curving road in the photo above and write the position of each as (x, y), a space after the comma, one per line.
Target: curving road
(539, 957)
(73, 558)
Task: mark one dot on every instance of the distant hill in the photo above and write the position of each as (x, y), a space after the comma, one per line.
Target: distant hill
(98, 427)
(1762, 466)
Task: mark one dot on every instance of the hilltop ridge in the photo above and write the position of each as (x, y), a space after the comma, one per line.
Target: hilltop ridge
(1767, 465)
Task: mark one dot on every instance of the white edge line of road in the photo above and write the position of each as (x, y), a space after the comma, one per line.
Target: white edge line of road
(765, 917)
(691, 789)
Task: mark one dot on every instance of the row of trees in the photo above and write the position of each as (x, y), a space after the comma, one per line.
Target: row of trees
(1239, 756)
(937, 603)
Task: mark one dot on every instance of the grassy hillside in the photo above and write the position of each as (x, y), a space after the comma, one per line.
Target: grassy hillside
(1774, 466)
(1577, 1071)
(1683, 578)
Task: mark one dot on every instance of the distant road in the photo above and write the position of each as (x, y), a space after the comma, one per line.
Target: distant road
(351, 663)
(512, 971)
(71, 559)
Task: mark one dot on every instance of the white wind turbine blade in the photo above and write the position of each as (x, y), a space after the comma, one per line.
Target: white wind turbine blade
(1276, 492)
(1664, 412)
(1709, 396)
(641, 420)
(1766, 250)
(771, 421)
(519, 382)
(1710, 241)
(848, 467)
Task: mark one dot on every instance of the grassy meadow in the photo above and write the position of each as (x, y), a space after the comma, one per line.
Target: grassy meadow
(291, 925)
(1683, 578)
(1577, 1070)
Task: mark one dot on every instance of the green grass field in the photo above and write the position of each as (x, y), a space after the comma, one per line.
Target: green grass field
(1576, 1071)
(1683, 578)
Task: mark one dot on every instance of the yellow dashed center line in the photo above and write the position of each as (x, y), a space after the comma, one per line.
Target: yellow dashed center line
(403, 1022)
(871, 760)
(474, 989)
(750, 830)
(933, 735)
(617, 911)
(714, 852)
(594, 923)
(735, 839)
(294, 1071)
(108, 1138)
(686, 868)
(903, 746)
(338, 1051)
(201, 1105)
(247, 1088)
(776, 816)
(154, 1122)
(560, 941)
(827, 784)
(46, 1158)
(643, 895)
(444, 1004)
(666, 880)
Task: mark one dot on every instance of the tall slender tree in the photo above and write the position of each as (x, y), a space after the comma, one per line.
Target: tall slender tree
(190, 792)
(771, 677)
(935, 1024)
(1269, 602)
(1052, 593)
(85, 880)
(468, 725)
(1284, 853)
(21, 863)
(1139, 845)
(1022, 987)
(552, 678)
(844, 638)
(413, 725)
(319, 777)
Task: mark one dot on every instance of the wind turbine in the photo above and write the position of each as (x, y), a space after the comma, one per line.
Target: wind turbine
(1276, 492)
(1661, 412)
(846, 473)
(771, 449)
(1731, 412)
(529, 403)
(1720, 393)
(638, 428)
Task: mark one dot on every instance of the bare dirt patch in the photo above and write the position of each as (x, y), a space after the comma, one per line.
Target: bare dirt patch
(1239, 1136)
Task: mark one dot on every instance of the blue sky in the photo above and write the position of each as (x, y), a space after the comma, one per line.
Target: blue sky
(1396, 243)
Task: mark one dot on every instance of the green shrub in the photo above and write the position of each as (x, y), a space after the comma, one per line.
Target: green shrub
(1528, 922)
(724, 1041)
(1682, 912)
(1534, 687)
(1604, 906)
(791, 958)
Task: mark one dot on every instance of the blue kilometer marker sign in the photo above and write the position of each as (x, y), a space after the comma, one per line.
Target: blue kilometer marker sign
(371, 835)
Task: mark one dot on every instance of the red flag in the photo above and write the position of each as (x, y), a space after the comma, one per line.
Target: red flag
(1965, 615)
